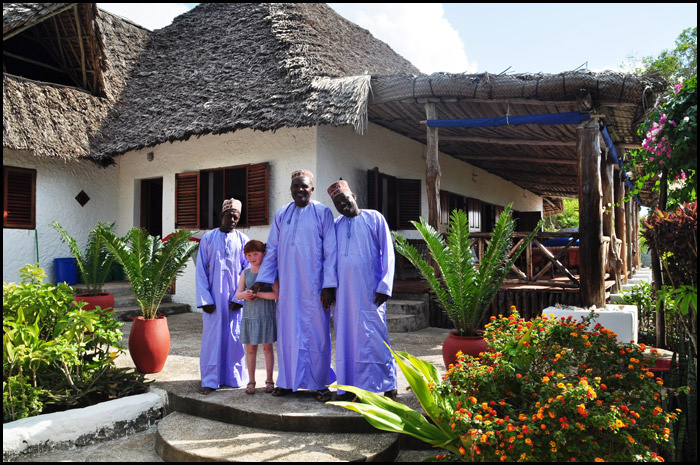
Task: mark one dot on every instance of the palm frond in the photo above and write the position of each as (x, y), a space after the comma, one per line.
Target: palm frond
(464, 288)
(95, 262)
(151, 265)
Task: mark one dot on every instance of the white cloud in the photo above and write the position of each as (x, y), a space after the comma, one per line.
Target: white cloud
(417, 31)
(149, 15)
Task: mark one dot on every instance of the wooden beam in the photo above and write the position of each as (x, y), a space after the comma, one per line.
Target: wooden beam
(551, 161)
(80, 42)
(590, 215)
(432, 169)
(34, 62)
(31, 25)
(501, 141)
(620, 225)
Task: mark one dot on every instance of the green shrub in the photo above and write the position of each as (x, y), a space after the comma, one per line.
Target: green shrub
(56, 355)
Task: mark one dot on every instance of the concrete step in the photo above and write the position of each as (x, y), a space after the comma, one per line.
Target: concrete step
(186, 438)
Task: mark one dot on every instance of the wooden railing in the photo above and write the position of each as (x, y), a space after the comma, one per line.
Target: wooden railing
(556, 266)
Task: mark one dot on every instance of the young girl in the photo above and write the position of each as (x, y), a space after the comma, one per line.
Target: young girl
(258, 324)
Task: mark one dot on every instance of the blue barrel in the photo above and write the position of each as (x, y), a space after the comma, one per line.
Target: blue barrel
(66, 270)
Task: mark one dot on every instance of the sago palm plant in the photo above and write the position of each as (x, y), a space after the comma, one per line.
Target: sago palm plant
(95, 262)
(150, 264)
(464, 287)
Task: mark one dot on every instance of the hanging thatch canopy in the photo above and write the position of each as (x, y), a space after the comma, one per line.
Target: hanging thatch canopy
(540, 158)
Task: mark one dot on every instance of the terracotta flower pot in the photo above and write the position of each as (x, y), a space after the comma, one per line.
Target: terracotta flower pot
(149, 343)
(104, 300)
(469, 345)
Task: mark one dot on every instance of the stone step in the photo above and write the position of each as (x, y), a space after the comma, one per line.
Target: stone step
(403, 315)
(405, 307)
(166, 308)
(405, 323)
(294, 412)
(186, 438)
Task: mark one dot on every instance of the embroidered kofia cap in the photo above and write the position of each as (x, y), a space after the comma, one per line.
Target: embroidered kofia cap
(306, 173)
(339, 187)
(232, 204)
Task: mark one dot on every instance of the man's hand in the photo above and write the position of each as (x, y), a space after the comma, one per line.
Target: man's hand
(233, 306)
(327, 297)
(257, 286)
(380, 299)
(209, 308)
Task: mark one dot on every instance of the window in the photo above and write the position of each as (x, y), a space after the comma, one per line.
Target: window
(450, 201)
(19, 198)
(399, 200)
(199, 195)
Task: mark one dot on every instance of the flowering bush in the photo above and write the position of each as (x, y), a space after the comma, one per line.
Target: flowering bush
(550, 390)
(547, 390)
(670, 143)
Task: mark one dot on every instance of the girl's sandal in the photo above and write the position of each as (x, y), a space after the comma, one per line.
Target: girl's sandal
(250, 388)
(269, 387)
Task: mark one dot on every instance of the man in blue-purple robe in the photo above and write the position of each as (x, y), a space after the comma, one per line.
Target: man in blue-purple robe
(365, 281)
(301, 252)
(220, 261)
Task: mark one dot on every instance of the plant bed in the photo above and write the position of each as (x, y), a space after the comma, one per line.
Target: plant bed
(57, 356)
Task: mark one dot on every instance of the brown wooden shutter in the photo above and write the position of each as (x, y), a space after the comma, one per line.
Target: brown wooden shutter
(257, 201)
(19, 205)
(187, 200)
(445, 207)
(409, 202)
(474, 214)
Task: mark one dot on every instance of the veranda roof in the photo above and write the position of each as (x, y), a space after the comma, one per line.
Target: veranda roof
(541, 158)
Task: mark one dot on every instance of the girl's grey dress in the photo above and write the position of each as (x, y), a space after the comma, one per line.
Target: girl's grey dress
(259, 323)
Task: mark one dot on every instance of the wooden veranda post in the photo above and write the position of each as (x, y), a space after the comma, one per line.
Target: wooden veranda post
(621, 222)
(432, 169)
(590, 215)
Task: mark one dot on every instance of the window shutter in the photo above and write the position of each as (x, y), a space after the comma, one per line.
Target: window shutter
(257, 202)
(474, 213)
(409, 202)
(445, 207)
(19, 209)
(187, 200)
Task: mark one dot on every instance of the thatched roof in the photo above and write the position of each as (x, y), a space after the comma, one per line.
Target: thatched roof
(218, 68)
(222, 67)
(55, 120)
(539, 158)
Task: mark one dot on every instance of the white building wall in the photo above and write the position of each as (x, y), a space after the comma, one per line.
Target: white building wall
(57, 184)
(342, 153)
(286, 150)
(329, 152)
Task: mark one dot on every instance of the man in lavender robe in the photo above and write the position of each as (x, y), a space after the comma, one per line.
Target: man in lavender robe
(301, 252)
(365, 281)
(220, 261)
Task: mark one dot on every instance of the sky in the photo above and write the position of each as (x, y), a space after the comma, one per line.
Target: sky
(497, 37)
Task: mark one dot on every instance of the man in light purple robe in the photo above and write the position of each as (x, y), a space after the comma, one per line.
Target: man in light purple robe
(301, 252)
(220, 261)
(365, 281)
